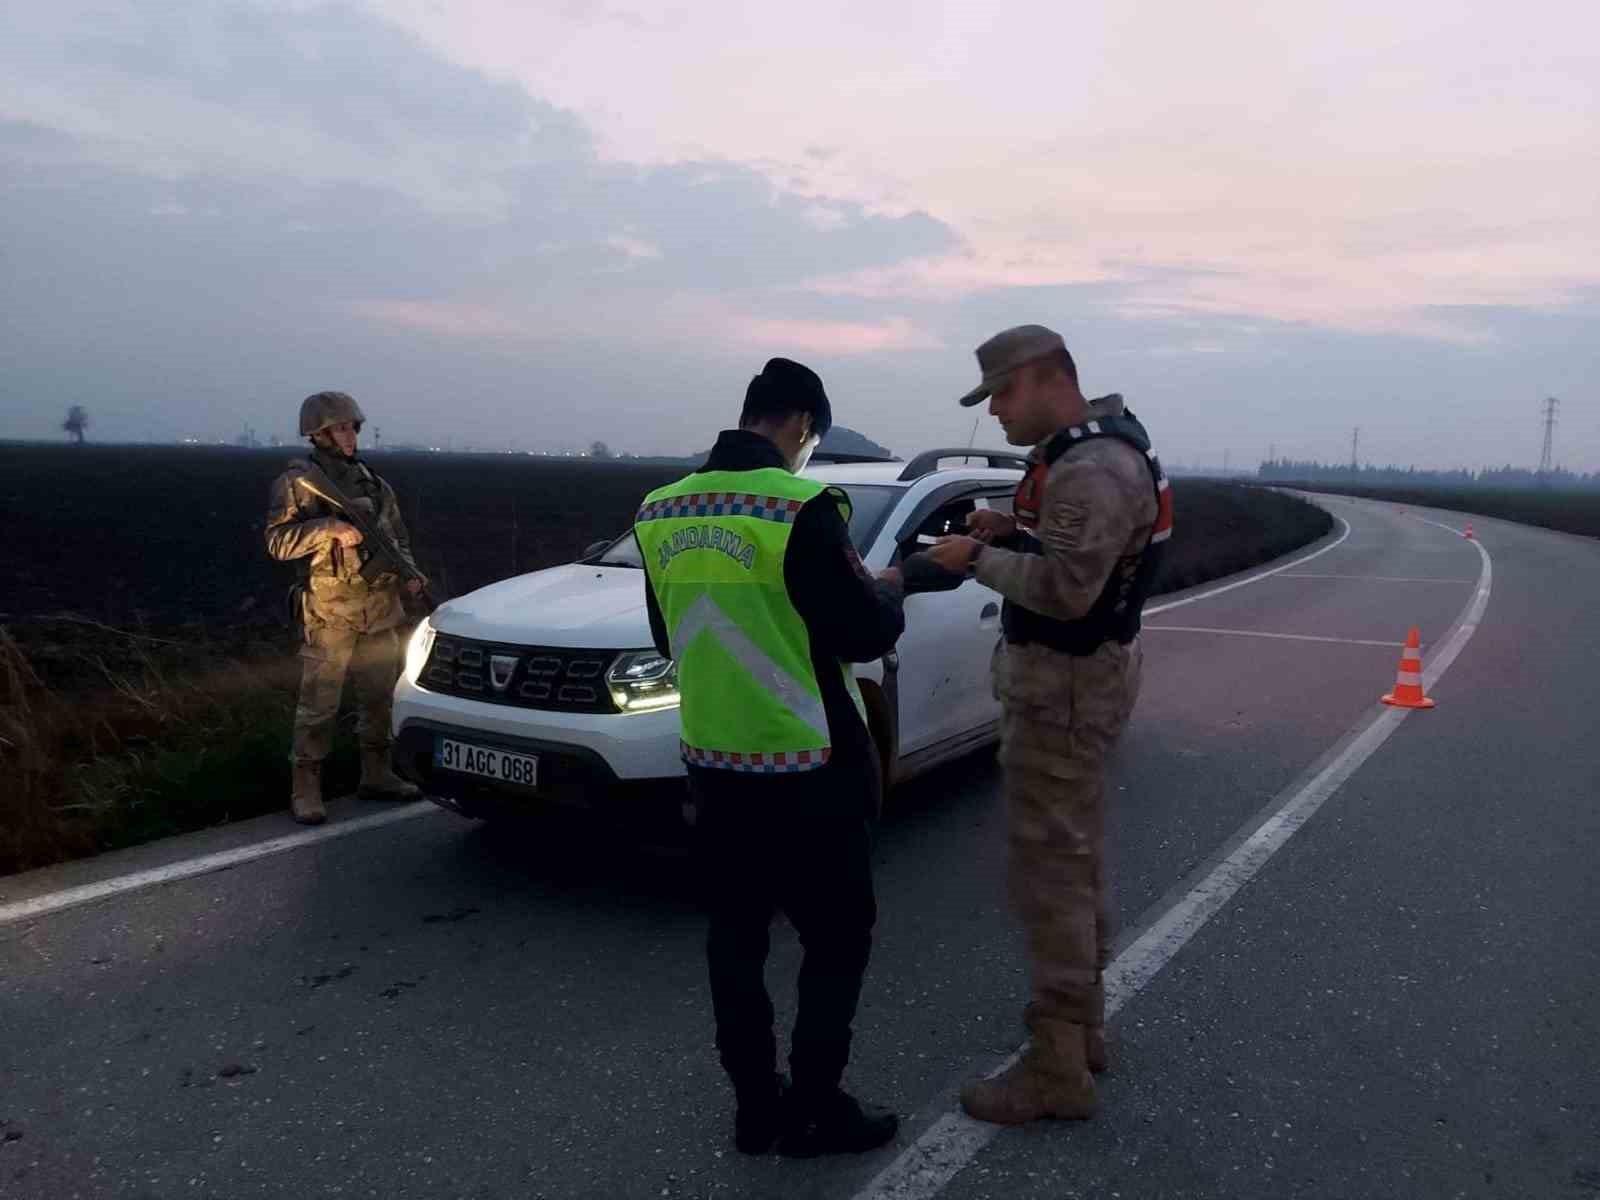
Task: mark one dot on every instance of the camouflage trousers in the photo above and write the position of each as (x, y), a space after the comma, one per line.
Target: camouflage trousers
(329, 654)
(1063, 716)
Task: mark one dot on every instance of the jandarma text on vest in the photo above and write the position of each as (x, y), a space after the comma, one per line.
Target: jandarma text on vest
(707, 537)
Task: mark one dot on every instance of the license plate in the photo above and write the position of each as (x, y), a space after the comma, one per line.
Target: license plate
(502, 766)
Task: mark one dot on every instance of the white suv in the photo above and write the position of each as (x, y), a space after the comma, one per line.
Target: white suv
(545, 686)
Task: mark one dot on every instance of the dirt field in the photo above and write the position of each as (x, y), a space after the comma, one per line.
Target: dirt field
(146, 670)
(167, 541)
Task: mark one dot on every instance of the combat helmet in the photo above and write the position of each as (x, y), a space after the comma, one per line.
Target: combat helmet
(319, 411)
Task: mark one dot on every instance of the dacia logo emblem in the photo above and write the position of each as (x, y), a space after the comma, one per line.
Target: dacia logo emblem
(501, 668)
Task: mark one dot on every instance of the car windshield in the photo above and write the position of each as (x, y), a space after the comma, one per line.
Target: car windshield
(869, 504)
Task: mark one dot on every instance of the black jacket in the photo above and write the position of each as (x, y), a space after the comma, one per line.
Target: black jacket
(850, 615)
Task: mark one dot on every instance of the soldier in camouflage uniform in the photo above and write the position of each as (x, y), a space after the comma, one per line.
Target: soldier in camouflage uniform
(1074, 564)
(350, 624)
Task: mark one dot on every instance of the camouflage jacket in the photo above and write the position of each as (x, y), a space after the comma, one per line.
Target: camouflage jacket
(1098, 507)
(299, 529)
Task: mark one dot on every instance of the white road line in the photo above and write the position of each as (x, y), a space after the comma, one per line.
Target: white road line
(1375, 578)
(1456, 641)
(925, 1167)
(1287, 637)
(21, 910)
(1256, 578)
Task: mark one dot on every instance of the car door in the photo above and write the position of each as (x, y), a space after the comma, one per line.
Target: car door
(943, 677)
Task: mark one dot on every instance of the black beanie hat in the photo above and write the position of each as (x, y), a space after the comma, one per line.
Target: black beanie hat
(786, 386)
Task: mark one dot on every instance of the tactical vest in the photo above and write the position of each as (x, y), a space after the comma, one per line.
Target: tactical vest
(1115, 614)
(714, 546)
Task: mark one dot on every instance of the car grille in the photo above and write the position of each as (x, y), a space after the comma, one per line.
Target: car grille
(554, 678)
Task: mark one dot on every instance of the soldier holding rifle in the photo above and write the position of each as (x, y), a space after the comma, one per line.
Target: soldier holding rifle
(340, 524)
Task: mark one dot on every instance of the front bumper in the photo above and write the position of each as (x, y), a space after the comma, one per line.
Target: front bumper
(569, 777)
(632, 745)
(620, 765)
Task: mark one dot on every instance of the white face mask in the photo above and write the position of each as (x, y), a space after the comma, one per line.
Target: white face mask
(803, 456)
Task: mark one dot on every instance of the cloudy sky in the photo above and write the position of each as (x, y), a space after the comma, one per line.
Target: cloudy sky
(540, 224)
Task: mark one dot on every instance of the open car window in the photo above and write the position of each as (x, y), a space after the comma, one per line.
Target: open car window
(943, 521)
(869, 504)
(949, 517)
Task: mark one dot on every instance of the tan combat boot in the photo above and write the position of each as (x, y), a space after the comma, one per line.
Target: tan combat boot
(305, 796)
(1094, 1038)
(379, 782)
(1050, 1080)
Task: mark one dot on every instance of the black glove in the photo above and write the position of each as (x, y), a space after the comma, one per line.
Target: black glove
(922, 574)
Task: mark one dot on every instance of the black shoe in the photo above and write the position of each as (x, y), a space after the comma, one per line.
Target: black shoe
(758, 1119)
(836, 1123)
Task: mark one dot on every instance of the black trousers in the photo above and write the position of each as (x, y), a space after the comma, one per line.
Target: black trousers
(799, 844)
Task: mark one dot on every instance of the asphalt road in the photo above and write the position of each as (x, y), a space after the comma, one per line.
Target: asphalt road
(1402, 1001)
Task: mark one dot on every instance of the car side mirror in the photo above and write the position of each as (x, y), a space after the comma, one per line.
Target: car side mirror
(594, 548)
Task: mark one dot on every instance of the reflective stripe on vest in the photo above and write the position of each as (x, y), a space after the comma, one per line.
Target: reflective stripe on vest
(703, 616)
(713, 545)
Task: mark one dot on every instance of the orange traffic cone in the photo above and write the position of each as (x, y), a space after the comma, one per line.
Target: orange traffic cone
(1468, 533)
(1408, 683)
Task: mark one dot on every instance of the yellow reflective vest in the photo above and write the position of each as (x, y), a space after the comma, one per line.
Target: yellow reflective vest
(714, 546)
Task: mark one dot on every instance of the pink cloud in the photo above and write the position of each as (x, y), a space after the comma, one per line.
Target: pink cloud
(962, 273)
(658, 321)
(832, 337)
(444, 318)
(1353, 166)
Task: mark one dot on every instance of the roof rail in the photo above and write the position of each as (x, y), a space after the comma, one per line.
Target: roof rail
(840, 456)
(928, 461)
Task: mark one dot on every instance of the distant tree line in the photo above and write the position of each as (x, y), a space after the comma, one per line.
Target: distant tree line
(1285, 470)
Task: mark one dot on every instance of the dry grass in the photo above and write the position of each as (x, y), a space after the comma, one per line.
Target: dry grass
(150, 738)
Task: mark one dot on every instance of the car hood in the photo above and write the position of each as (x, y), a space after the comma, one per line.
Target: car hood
(595, 608)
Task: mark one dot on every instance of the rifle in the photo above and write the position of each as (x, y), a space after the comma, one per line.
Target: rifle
(379, 555)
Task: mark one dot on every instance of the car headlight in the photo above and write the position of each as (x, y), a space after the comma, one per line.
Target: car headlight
(418, 648)
(643, 681)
